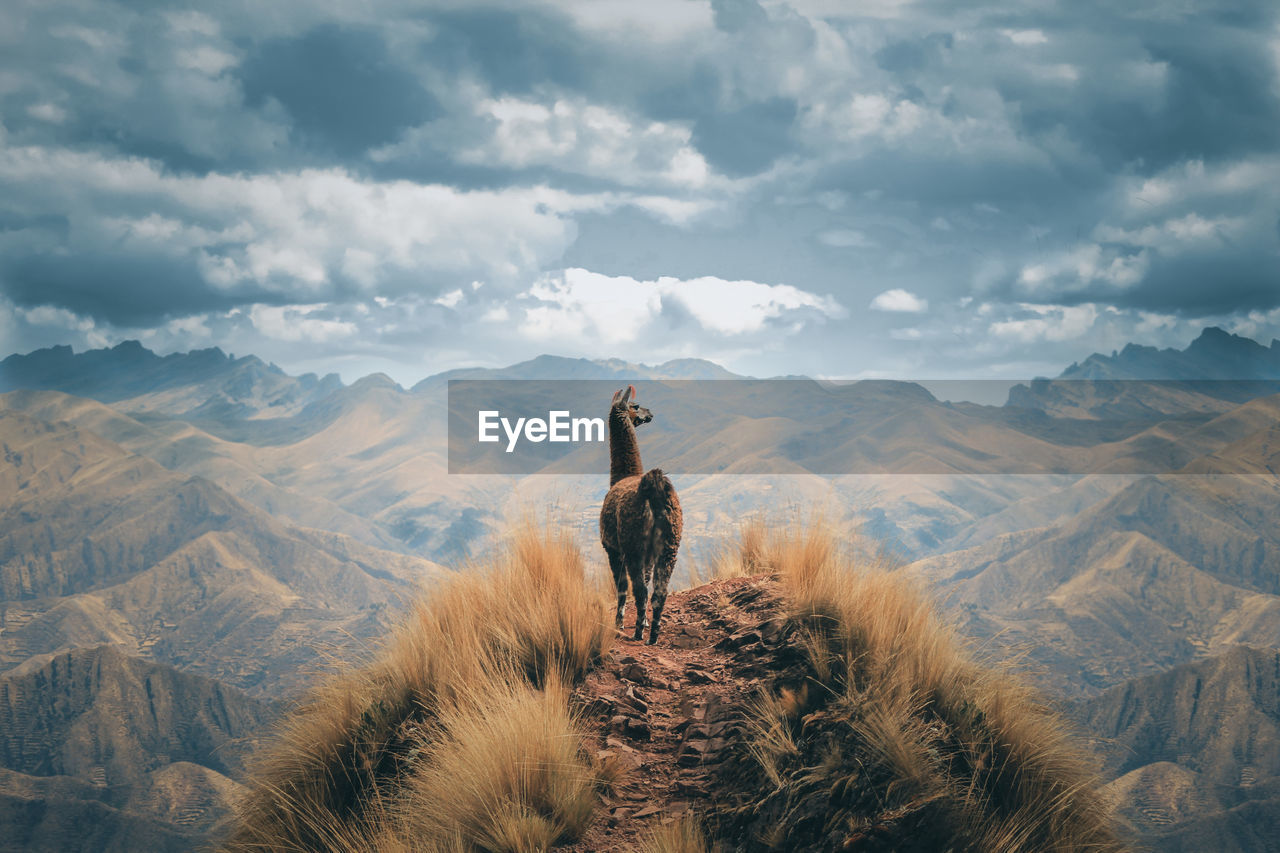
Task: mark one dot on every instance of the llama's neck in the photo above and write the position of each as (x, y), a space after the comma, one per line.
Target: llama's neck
(624, 453)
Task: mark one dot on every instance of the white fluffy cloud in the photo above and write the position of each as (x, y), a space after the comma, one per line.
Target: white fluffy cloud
(900, 300)
(1048, 323)
(1083, 266)
(580, 304)
(1025, 38)
(296, 323)
(583, 138)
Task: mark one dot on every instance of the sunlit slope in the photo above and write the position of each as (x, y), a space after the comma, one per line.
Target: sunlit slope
(99, 750)
(1188, 746)
(1164, 571)
(103, 546)
(180, 446)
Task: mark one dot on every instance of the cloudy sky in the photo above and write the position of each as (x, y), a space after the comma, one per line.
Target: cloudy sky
(880, 188)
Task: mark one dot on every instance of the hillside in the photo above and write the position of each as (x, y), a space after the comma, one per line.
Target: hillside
(1164, 571)
(1195, 747)
(98, 545)
(1215, 354)
(369, 460)
(183, 447)
(141, 751)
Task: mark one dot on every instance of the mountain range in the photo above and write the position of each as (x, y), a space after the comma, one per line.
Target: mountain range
(195, 529)
(1215, 354)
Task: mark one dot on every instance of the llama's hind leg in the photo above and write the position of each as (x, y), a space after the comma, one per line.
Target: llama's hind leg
(661, 578)
(619, 581)
(641, 594)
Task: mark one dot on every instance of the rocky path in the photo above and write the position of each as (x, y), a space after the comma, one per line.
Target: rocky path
(663, 714)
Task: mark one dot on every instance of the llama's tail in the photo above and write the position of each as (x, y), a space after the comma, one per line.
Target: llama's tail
(657, 490)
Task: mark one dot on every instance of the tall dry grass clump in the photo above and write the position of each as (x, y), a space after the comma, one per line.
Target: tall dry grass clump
(897, 736)
(502, 768)
(679, 836)
(469, 696)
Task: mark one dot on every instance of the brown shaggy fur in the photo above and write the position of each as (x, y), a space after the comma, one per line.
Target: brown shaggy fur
(641, 521)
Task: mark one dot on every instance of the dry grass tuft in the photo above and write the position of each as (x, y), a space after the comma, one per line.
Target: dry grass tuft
(899, 738)
(680, 836)
(501, 770)
(481, 658)
(744, 556)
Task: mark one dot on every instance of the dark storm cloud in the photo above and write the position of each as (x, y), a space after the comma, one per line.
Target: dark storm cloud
(746, 140)
(914, 54)
(124, 290)
(531, 52)
(1213, 98)
(340, 87)
(686, 98)
(1202, 284)
(734, 16)
(53, 225)
(109, 78)
(514, 51)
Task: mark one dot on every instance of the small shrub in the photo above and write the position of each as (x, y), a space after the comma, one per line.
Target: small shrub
(680, 836)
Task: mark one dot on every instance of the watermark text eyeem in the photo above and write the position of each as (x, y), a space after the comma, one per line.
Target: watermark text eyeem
(559, 426)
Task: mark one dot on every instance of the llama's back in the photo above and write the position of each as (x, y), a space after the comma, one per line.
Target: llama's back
(656, 489)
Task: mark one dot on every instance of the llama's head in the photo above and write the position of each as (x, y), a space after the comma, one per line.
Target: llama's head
(624, 403)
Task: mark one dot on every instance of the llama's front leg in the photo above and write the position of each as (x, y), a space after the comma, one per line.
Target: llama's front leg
(661, 578)
(641, 595)
(619, 581)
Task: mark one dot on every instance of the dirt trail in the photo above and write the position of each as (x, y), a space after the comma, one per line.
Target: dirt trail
(665, 713)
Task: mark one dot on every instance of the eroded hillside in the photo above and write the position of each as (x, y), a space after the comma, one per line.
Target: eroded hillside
(99, 750)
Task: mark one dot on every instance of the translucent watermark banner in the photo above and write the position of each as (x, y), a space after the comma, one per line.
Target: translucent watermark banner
(802, 426)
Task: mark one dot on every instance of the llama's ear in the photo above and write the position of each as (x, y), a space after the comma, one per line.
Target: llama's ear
(616, 395)
(631, 392)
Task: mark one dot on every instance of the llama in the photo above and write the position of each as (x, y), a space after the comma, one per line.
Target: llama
(640, 522)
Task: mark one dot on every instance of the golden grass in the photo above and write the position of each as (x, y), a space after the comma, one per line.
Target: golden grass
(680, 836)
(966, 747)
(744, 556)
(481, 658)
(502, 770)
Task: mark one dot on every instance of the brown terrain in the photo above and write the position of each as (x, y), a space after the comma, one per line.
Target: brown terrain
(667, 712)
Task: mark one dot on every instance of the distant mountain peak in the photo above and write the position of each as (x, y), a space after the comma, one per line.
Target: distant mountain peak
(1215, 339)
(201, 382)
(375, 380)
(1214, 354)
(548, 367)
(699, 368)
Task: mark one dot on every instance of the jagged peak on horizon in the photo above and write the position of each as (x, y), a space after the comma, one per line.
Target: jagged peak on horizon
(1213, 354)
